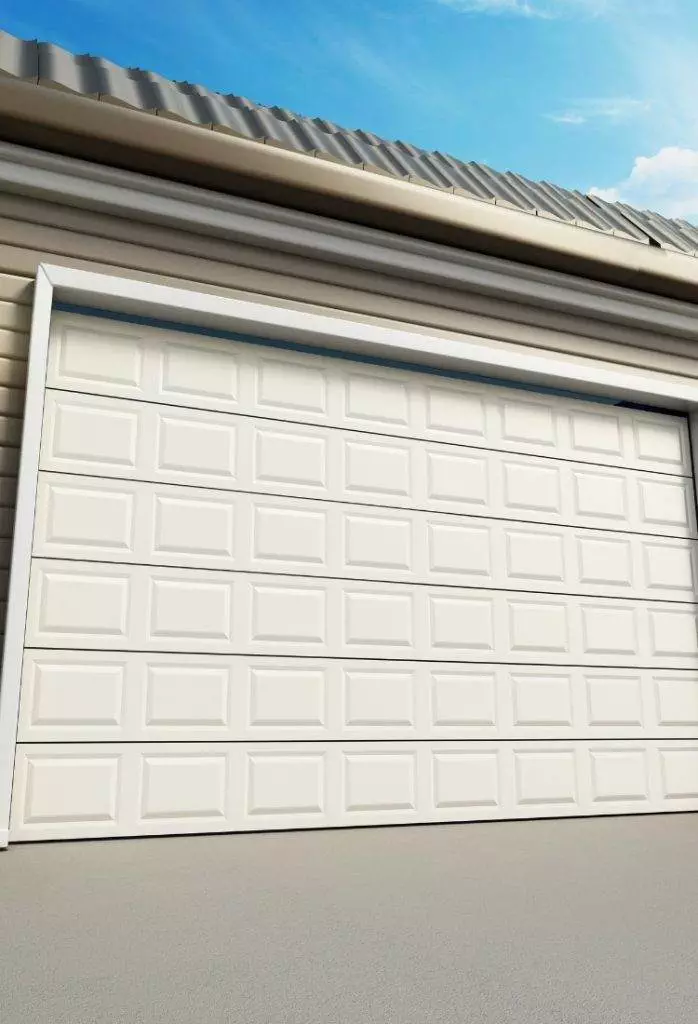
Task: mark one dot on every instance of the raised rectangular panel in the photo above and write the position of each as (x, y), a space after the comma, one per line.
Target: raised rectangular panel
(533, 555)
(188, 608)
(609, 630)
(619, 775)
(662, 442)
(377, 468)
(377, 542)
(605, 561)
(286, 385)
(463, 698)
(677, 699)
(456, 412)
(289, 535)
(287, 696)
(663, 502)
(378, 698)
(461, 622)
(595, 433)
(538, 626)
(104, 356)
(673, 631)
(289, 614)
(79, 432)
(614, 699)
(70, 602)
(85, 515)
(290, 458)
(602, 495)
(378, 618)
(65, 788)
(193, 526)
(460, 478)
(197, 371)
(669, 565)
(542, 698)
(459, 549)
(679, 773)
(197, 446)
(545, 777)
(467, 778)
(184, 786)
(377, 399)
(528, 421)
(186, 694)
(285, 783)
(531, 486)
(380, 781)
(77, 790)
(65, 694)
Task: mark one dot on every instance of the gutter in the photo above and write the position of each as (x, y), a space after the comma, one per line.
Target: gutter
(48, 177)
(63, 122)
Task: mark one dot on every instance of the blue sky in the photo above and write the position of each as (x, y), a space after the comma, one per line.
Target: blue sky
(590, 94)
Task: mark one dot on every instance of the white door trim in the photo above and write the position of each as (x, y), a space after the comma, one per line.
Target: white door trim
(466, 353)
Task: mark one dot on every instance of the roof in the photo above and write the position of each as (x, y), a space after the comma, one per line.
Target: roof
(48, 65)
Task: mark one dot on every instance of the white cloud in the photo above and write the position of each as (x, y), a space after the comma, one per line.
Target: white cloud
(495, 7)
(615, 109)
(530, 8)
(666, 182)
(569, 117)
(611, 195)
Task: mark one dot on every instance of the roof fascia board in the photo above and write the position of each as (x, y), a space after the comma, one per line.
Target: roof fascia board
(85, 185)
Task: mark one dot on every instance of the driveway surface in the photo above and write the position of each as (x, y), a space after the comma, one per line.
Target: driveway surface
(591, 921)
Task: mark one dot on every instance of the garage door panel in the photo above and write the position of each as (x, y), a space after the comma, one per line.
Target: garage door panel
(173, 368)
(106, 437)
(85, 790)
(70, 695)
(154, 524)
(110, 606)
(275, 589)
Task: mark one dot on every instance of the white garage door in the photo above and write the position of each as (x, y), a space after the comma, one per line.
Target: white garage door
(273, 589)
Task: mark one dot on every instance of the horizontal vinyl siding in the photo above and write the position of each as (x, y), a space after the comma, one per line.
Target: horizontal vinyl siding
(14, 317)
(15, 288)
(15, 312)
(46, 231)
(14, 347)
(32, 232)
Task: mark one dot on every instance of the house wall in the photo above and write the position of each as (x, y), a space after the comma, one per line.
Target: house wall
(33, 231)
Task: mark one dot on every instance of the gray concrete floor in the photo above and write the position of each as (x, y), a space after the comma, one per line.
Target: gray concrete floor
(554, 922)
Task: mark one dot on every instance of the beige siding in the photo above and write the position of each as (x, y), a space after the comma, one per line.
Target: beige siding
(63, 234)
(31, 232)
(15, 293)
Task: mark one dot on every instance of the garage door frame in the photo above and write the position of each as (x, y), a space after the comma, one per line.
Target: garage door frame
(463, 354)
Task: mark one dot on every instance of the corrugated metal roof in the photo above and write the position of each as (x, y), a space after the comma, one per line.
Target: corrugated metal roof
(49, 65)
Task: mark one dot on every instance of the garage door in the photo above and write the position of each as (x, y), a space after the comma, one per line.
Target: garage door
(274, 589)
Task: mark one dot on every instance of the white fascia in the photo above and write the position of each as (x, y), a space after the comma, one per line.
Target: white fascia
(93, 291)
(126, 194)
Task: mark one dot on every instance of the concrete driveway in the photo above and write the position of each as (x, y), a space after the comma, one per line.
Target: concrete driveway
(588, 921)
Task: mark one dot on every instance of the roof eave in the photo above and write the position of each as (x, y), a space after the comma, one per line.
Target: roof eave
(63, 122)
